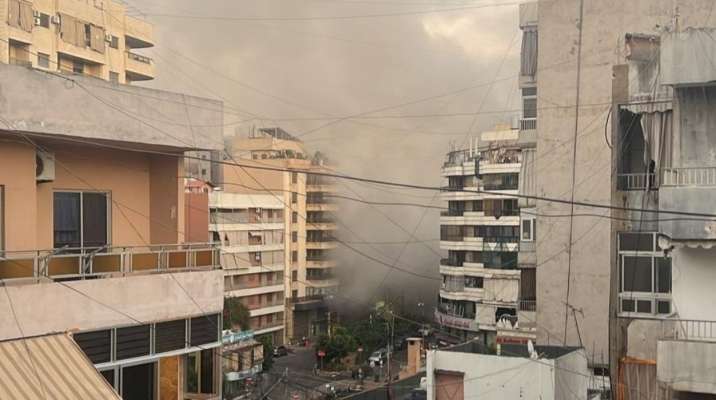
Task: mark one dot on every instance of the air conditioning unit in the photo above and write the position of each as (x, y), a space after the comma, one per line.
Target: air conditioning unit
(108, 37)
(55, 19)
(35, 13)
(45, 169)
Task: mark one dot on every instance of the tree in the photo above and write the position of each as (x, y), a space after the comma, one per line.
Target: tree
(267, 342)
(339, 345)
(236, 314)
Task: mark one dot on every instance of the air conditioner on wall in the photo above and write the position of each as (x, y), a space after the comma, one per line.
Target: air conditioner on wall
(55, 19)
(108, 37)
(45, 166)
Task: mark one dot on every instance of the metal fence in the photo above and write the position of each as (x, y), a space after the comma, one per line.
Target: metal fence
(77, 263)
(688, 329)
(702, 176)
(635, 181)
(528, 124)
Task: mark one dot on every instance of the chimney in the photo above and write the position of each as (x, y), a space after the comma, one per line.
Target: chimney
(415, 346)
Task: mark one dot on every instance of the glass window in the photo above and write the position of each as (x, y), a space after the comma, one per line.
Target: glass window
(637, 274)
(294, 197)
(663, 275)
(635, 241)
(294, 177)
(43, 60)
(80, 219)
(138, 382)
(527, 230)
(294, 218)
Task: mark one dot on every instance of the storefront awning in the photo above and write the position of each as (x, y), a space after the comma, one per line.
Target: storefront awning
(51, 367)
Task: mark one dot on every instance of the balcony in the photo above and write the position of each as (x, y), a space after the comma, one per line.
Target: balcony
(267, 327)
(445, 317)
(139, 33)
(527, 124)
(686, 355)
(628, 182)
(320, 187)
(693, 177)
(500, 243)
(527, 305)
(93, 263)
(321, 226)
(695, 187)
(139, 67)
(324, 244)
(323, 206)
(320, 263)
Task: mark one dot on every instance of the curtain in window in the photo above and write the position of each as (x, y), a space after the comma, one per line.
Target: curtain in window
(94, 219)
(529, 53)
(13, 13)
(97, 38)
(27, 20)
(658, 138)
(67, 219)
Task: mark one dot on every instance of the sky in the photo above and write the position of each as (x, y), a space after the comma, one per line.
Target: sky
(284, 63)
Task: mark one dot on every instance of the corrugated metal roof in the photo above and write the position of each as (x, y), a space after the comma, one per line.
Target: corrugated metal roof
(49, 367)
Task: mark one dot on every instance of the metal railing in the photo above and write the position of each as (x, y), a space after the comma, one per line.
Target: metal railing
(702, 176)
(638, 181)
(527, 305)
(452, 213)
(688, 329)
(139, 58)
(450, 263)
(528, 123)
(78, 263)
(314, 297)
(265, 305)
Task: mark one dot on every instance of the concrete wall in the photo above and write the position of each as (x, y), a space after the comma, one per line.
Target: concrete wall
(35, 101)
(604, 26)
(687, 366)
(494, 377)
(196, 217)
(146, 195)
(693, 277)
(52, 307)
(571, 376)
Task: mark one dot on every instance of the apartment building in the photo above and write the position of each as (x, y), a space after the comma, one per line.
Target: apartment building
(91, 37)
(92, 238)
(481, 234)
(631, 286)
(308, 209)
(251, 231)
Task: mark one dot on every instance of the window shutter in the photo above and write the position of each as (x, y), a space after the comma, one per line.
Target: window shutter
(27, 20)
(68, 26)
(13, 13)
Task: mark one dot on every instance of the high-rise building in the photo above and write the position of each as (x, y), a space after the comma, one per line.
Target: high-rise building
(307, 209)
(91, 37)
(93, 240)
(625, 106)
(481, 233)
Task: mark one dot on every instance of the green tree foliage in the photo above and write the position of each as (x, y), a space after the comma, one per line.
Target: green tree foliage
(236, 314)
(339, 345)
(267, 341)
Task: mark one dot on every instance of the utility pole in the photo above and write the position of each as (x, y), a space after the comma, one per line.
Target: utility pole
(391, 334)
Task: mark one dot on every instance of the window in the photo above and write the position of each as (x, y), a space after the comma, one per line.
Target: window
(529, 102)
(645, 275)
(294, 276)
(114, 42)
(199, 372)
(294, 217)
(528, 234)
(294, 256)
(114, 77)
(43, 60)
(294, 236)
(294, 294)
(474, 282)
(42, 20)
(133, 341)
(138, 382)
(78, 67)
(294, 197)
(294, 177)
(80, 219)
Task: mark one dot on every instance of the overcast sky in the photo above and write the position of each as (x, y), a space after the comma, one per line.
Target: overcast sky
(278, 70)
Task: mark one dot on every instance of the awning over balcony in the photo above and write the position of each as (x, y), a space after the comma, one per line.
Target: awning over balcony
(50, 366)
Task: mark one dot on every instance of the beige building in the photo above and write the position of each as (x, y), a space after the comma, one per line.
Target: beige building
(90, 37)
(92, 234)
(625, 100)
(309, 263)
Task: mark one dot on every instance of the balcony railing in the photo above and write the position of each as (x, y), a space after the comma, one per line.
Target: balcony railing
(686, 329)
(19, 61)
(528, 124)
(139, 58)
(452, 213)
(315, 297)
(264, 305)
(528, 305)
(79, 263)
(450, 263)
(704, 176)
(641, 181)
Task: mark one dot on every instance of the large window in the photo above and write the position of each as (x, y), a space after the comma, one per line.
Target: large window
(528, 229)
(81, 219)
(645, 275)
(199, 377)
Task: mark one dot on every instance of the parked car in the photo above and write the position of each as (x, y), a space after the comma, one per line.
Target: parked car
(280, 351)
(378, 356)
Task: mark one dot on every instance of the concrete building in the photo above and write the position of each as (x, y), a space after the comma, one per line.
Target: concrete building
(480, 232)
(309, 273)
(92, 232)
(625, 119)
(90, 37)
(251, 230)
(471, 371)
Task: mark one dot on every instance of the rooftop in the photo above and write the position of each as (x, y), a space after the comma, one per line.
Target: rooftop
(513, 350)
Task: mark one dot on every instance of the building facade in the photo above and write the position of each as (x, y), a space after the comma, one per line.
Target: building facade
(308, 209)
(480, 231)
(628, 283)
(90, 37)
(93, 234)
(251, 231)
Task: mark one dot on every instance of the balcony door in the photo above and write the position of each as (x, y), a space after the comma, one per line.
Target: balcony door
(81, 219)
